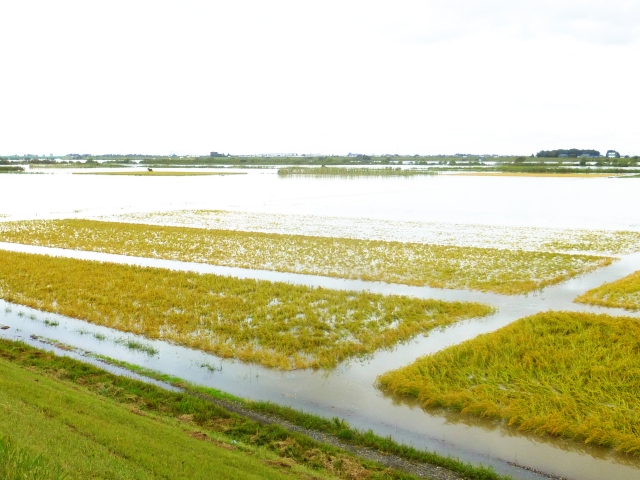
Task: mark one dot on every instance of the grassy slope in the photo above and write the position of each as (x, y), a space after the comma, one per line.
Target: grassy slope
(623, 293)
(484, 269)
(93, 424)
(90, 436)
(575, 375)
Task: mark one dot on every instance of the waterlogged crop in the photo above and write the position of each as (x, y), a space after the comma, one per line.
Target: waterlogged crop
(623, 293)
(353, 172)
(276, 324)
(559, 240)
(486, 269)
(575, 375)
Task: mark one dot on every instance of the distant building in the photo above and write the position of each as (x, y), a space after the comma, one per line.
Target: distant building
(612, 154)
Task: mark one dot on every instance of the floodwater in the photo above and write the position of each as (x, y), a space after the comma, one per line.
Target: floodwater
(592, 203)
(349, 391)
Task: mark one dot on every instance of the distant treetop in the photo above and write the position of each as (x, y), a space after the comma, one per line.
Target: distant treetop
(571, 152)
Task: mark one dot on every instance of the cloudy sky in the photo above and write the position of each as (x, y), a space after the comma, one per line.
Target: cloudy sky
(408, 77)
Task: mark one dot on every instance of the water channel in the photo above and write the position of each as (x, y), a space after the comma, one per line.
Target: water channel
(349, 391)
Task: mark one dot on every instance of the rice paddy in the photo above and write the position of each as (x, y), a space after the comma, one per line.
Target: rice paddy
(568, 374)
(590, 242)
(353, 172)
(274, 324)
(508, 272)
(623, 293)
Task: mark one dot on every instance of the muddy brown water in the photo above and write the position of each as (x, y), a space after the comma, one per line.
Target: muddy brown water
(348, 391)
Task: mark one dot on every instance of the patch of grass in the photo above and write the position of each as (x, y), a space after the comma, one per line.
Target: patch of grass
(575, 375)
(210, 368)
(19, 463)
(276, 324)
(51, 323)
(353, 172)
(623, 293)
(486, 269)
(139, 346)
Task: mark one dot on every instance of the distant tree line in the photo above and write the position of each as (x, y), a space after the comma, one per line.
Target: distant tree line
(571, 152)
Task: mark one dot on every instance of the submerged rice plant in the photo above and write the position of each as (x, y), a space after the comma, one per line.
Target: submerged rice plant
(275, 324)
(139, 346)
(575, 375)
(558, 240)
(623, 293)
(487, 269)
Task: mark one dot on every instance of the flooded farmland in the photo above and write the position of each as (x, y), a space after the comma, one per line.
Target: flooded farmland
(349, 391)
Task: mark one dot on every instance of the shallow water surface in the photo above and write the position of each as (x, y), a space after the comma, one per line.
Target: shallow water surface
(558, 202)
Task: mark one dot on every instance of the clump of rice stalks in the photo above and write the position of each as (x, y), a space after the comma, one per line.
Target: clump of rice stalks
(486, 269)
(139, 346)
(575, 375)
(275, 324)
(623, 293)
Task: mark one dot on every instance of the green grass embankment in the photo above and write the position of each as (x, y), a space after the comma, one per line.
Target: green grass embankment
(56, 397)
(55, 427)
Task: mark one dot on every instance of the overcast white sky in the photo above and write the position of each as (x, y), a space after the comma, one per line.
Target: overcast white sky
(426, 77)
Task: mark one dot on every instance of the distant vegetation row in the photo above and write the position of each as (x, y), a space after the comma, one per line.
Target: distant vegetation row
(11, 169)
(354, 172)
(550, 157)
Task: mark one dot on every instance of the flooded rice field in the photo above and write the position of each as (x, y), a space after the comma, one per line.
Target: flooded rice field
(348, 391)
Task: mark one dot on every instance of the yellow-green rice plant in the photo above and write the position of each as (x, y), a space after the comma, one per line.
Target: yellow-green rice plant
(589, 242)
(575, 375)
(485, 269)
(623, 293)
(620, 242)
(275, 324)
